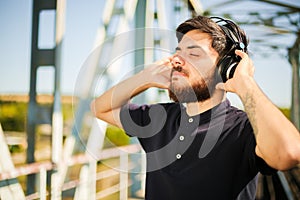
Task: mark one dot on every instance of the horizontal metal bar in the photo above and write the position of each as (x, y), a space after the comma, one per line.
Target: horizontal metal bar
(45, 4)
(77, 159)
(44, 57)
(43, 114)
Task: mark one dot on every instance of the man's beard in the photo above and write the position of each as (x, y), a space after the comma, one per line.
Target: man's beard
(196, 92)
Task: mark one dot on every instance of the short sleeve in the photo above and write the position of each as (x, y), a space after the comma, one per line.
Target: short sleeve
(143, 121)
(263, 167)
(133, 117)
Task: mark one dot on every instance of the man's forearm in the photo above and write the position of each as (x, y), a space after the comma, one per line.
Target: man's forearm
(107, 106)
(120, 94)
(278, 141)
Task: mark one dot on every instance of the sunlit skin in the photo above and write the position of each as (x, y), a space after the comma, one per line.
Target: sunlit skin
(195, 55)
(196, 60)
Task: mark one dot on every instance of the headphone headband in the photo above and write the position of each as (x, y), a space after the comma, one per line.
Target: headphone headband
(231, 31)
(228, 62)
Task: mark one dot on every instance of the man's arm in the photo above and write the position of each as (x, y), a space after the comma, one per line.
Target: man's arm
(107, 106)
(278, 140)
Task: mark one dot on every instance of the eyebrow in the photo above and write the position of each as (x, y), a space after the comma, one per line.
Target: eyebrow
(191, 47)
(195, 46)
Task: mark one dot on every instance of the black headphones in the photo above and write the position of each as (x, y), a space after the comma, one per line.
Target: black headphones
(228, 63)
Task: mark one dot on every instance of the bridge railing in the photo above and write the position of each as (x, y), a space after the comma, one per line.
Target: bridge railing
(83, 186)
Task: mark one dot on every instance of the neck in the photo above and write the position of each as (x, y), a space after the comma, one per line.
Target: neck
(195, 108)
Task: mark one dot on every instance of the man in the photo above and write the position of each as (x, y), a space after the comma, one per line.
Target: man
(199, 146)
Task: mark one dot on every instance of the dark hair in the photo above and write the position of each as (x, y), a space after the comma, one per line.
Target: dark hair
(220, 42)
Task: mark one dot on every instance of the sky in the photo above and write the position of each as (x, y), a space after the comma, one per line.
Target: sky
(273, 73)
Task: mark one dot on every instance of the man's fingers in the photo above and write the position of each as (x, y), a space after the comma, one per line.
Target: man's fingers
(165, 61)
(241, 54)
(220, 86)
(227, 87)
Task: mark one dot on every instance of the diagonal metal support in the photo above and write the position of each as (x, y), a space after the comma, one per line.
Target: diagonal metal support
(9, 189)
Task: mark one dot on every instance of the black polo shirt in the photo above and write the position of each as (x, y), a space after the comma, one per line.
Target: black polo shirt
(207, 156)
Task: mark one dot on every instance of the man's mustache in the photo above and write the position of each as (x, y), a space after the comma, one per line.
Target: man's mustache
(181, 70)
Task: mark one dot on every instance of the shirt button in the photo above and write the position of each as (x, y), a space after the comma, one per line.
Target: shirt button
(178, 156)
(191, 120)
(181, 138)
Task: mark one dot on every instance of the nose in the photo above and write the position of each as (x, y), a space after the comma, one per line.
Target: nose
(177, 61)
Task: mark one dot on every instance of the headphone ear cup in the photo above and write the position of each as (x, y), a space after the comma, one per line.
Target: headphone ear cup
(227, 66)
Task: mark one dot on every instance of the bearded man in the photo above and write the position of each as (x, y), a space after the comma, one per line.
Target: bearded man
(199, 146)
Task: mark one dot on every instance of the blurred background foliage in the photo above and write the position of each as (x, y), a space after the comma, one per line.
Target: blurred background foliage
(13, 115)
(13, 119)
